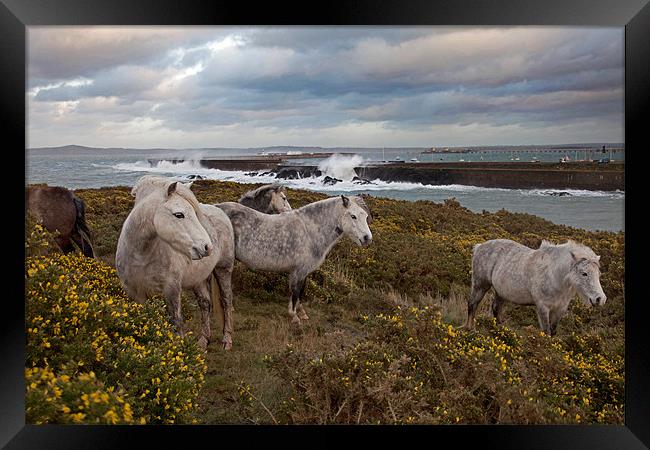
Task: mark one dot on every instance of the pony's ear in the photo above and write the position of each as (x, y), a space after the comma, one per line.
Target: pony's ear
(281, 189)
(172, 188)
(346, 201)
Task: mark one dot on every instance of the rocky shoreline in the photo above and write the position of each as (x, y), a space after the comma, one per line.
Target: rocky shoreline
(579, 175)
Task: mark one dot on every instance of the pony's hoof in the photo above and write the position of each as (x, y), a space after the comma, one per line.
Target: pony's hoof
(227, 345)
(304, 316)
(296, 321)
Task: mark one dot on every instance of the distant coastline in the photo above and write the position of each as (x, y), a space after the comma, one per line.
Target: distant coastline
(305, 149)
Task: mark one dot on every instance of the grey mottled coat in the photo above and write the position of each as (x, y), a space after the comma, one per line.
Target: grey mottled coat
(548, 278)
(297, 241)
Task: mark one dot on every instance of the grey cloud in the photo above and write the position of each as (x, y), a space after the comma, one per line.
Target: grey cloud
(322, 77)
(56, 53)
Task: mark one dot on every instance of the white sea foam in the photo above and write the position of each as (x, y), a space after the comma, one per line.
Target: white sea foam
(339, 167)
(574, 193)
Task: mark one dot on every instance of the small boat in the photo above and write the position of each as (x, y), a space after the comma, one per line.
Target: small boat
(414, 160)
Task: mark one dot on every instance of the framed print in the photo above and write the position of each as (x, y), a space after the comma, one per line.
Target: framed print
(407, 218)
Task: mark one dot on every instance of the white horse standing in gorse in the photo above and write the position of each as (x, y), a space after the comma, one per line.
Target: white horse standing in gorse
(548, 278)
(170, 242)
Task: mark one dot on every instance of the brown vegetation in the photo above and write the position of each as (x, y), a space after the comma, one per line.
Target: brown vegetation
(381, 344)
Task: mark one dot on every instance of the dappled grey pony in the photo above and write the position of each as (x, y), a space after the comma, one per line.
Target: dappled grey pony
(268, 199)
(170, 242)
(548, 278)
(296, 242)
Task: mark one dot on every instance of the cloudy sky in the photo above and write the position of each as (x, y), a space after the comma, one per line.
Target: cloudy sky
(323, 86)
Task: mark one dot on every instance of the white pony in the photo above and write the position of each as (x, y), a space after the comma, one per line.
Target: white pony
(170, 242)
(548, 278)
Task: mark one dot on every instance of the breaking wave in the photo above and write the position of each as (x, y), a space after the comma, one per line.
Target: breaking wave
(341, 168)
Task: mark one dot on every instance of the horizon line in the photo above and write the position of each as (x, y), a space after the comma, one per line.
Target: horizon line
(331, 147)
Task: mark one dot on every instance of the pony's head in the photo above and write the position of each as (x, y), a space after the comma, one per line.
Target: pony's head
(177, 223)
(278, 199)
(585, 274)
(270, 199)
(353, 222)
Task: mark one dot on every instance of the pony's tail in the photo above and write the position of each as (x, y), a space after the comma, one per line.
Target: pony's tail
(215, 297)
(82, 228)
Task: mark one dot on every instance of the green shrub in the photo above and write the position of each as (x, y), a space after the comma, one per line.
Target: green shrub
(85, 334)
(414, 368)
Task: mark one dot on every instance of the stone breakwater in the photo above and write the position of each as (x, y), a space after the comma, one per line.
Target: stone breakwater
(515, 175)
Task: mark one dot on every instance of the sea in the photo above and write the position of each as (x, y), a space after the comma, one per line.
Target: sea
(84, 167)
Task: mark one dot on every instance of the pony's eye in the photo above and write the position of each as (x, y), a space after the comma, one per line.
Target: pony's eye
(353, 216)
(584, 274)
(179, 215)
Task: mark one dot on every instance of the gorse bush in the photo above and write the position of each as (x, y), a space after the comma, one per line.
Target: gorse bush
(414, 368)
(81, 398)
(38, 241)
(93, 356)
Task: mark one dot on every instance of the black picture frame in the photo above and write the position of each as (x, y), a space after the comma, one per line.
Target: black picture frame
(634, 15)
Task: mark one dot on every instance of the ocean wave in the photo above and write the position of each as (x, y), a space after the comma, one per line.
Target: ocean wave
(574, 193)
(187, 168)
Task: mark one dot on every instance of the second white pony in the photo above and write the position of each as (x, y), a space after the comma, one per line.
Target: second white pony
(171, 242)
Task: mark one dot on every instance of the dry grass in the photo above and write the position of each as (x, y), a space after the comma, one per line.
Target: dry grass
(419, 258)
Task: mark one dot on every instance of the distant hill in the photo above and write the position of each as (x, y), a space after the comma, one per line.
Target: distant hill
(83, 150)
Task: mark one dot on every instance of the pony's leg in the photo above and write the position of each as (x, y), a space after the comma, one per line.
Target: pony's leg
(203, 299)
(224, 278)
(497, 306)
(84, 245)
(172, 296)
(475, 297)
(543, 317)
(295, 286)
(555, 316)
(300, 309)
(64, 244)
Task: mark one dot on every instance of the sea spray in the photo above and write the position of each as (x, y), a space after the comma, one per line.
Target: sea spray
(340, 167)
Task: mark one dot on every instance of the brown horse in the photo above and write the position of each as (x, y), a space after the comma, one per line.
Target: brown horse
(59, 210)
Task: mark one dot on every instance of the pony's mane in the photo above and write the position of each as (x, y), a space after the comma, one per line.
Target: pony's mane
(161, 183)
(260, 191)
(577, 249)
(148, 181)
(185, 192)
(319, 204)
(361, 202)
